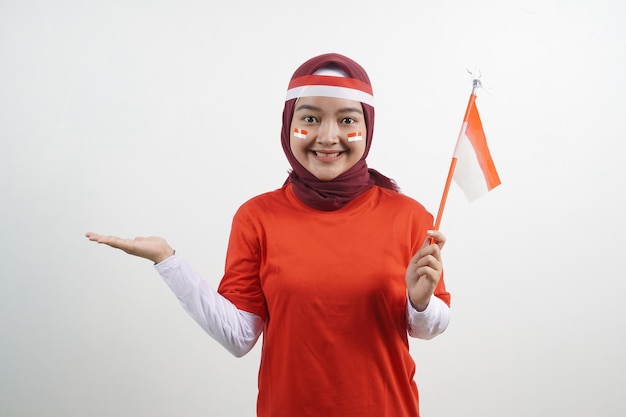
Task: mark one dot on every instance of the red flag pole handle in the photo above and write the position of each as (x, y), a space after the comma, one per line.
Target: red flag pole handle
(444, 197)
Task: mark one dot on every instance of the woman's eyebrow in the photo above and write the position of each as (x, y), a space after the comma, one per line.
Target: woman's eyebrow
(342, 110)
(307, 107)
(350, 110)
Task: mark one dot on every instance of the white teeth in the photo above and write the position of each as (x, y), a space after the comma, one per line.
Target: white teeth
(327, 155)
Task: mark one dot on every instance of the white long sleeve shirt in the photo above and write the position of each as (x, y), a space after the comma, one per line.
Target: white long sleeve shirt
(238, 331)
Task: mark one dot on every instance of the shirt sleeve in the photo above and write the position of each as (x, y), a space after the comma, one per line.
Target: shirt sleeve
(236, 330)
(430, 322)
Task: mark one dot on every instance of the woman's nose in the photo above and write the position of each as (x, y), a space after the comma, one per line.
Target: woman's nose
(328, 133)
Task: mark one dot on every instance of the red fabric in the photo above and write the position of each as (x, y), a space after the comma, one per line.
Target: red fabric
(327, 80)
(334, 194)
(331, 288)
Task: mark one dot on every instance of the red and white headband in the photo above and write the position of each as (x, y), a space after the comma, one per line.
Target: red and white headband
(330, 83)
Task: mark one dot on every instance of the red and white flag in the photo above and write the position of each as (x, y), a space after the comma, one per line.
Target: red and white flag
(355, 136)
(300, 133)
(474, 170)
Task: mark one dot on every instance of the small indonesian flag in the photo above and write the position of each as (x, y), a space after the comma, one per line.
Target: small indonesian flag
(474, 171)
(355, 136)
(300, 133)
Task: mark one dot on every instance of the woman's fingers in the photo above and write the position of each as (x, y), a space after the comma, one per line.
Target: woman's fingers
(92, 236)
(127, 245)
(113, 241)
(435, 236)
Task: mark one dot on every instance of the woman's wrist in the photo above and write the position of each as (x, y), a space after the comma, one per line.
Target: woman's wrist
(166, 254)
(420, 306)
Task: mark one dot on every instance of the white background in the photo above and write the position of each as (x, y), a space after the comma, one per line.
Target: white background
(162, 117)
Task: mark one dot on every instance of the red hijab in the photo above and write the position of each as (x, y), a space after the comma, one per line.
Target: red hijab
(332, 194)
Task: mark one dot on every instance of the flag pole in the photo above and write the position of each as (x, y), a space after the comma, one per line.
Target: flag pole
(446, 189)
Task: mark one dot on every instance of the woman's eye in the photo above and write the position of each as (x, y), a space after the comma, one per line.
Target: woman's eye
(310, 119)
(348, 120)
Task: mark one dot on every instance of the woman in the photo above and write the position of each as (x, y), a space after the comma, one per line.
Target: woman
(336, 267)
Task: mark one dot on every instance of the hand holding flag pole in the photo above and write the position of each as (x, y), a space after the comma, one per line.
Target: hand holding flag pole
(471, 167)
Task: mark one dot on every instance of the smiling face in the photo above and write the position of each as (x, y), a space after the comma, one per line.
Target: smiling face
(335, 135)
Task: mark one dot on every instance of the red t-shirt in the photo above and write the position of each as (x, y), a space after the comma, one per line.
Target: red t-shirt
(331, 288)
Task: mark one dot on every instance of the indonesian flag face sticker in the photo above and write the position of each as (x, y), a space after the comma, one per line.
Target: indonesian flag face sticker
(300, 133)
(355, 136)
